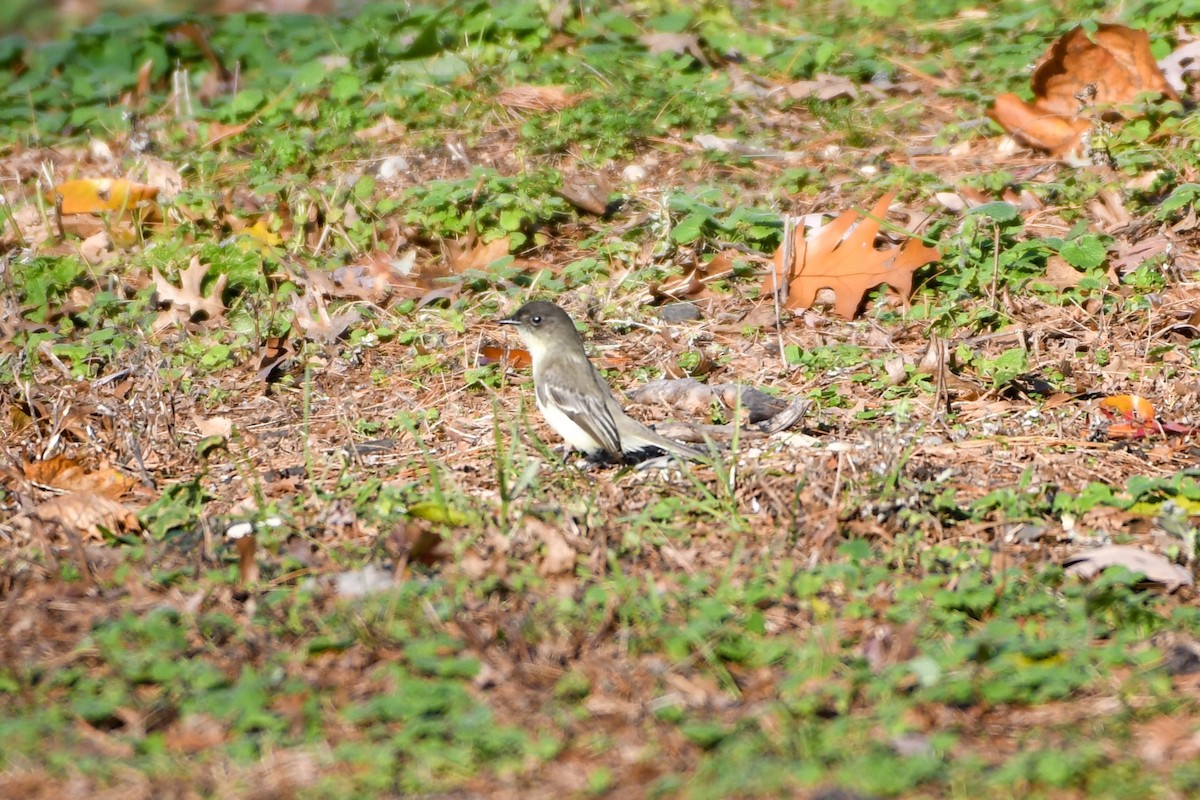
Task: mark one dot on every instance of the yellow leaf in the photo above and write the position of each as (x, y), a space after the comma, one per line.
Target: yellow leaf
(260, 233)
(92, 195)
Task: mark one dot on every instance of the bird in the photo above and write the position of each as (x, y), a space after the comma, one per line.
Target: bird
(575, 399)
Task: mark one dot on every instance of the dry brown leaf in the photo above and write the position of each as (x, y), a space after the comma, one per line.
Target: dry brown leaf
(1166, 738)
(219, 132)
(1154, 567)
(84, 513)
(468, 254)
(1116, 60)
(823, 86)
(1131, 256)
(558, 558)
(214, 426)
(1080, 74)
(1037, 127)
(314, 319)
(96, 248)
(842, 257)
(27, 226)
(66, 473)
(587, 193)
(188, 301)
(679, 43)
(1060, 274)
(194, 733)
(163, 177)
(537, 98)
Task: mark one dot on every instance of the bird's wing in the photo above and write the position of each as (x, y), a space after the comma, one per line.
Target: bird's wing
(588, 410)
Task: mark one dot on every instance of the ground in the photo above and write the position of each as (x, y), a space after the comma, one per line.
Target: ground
(281, 516)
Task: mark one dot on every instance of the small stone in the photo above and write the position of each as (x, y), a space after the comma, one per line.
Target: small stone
(680, 312)
(393, 168)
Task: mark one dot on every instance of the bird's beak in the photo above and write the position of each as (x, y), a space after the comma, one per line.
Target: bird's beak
(510, 321)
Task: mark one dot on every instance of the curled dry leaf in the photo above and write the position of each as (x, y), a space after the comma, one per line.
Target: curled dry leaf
(1157, 569)
(96, 249)
(842, 257)
(314, 319)
(85, 514)
(1081, 73)
(163, 177)
(587, 193)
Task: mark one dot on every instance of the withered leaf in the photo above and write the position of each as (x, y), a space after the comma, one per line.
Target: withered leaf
(537, 98)
(66, 473)
(1156, 568)
(842, 257)
(1081, 74)
(188, 301)
(314, 319)
(85, 514)
(467, 254)
(93, 195)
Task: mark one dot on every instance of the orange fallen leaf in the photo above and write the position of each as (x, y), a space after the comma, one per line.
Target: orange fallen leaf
(842, 257)
(1081, 74)
(1129, 407)
(1138, 420)
(1036, 126)
(514, 358)
(93, 195)
(66, 473)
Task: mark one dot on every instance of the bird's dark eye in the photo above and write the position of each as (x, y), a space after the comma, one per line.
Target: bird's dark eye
(535, 319)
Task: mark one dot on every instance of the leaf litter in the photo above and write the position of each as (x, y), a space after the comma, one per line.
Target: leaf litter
(804, 501)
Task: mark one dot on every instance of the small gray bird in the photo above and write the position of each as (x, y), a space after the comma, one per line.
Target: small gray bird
(573, 396)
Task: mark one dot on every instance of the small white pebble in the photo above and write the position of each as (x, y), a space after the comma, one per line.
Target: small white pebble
(392, 168)
(239, 529)
(634, 173)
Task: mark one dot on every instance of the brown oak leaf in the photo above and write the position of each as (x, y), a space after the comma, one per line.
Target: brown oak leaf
(842, 257)
(187, 302)
(1081, 75)
(85, 514)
